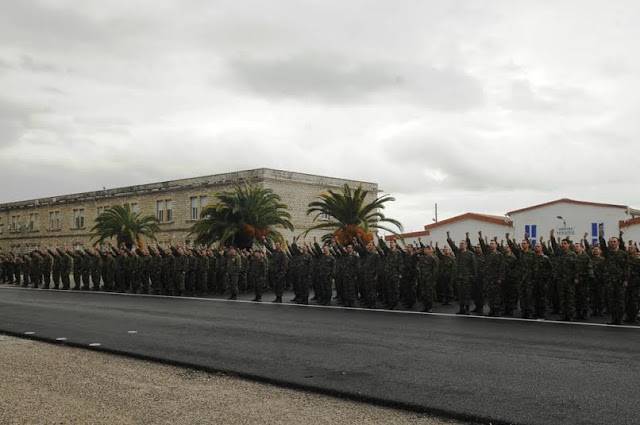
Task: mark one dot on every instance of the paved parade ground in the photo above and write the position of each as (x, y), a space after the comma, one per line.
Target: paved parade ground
(503, 370)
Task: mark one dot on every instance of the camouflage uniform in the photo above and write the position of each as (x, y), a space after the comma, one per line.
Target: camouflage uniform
(305, 267)
(212, 273)
(633, 289)
(277, 270)
(510, 284)
(543, 274)
(86, 270)
(109, 272)
(371, 271)
(393, 269)
(96, 268)
(584, 270)
(493, 279)
(45, 266)
(566, 273)
(257, 274)
(465, 273)
(168, 273)
(56, 268)
(202, 271)
(155, 268)
(408, 282)
(181, 265)
(234, 264)
(326, 272)
(350, 269)
(145, 272)
(66, 263)
(427, 267)
(77, 269)
(447, 267)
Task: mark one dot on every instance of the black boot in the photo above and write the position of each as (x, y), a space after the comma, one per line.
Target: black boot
(233, 296)
(462, 310)
(277, 300)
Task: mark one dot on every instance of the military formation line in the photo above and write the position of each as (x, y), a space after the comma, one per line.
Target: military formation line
(573, 279)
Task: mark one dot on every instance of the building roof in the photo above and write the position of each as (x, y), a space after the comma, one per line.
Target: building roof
(258, 174)
(408, 235)
(630, 222)
(493, 219)
(567, 201)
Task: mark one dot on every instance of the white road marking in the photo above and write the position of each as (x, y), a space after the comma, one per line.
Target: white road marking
(94, 344)
(132, 332)
(61, 339)
(379, 310)
(29, 333)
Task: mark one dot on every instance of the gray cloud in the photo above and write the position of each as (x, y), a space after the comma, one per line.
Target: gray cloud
(333, 78)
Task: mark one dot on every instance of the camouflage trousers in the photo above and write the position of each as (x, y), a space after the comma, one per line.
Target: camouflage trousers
(445, 287)
(95, 279)
(56, 277)
(493, 294)
(631, 301)
(277, 281)
(540, 297)
(582, 297)
(349, 288)
(259, 286)
(408, 293)
(525, 293)
(393, 290)
(427, 289)
(567, 291)
(463, 283)
(179, 283)
(233, 283)
(369, 290)
(616, 295)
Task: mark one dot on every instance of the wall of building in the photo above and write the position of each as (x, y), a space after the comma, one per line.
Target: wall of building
(295, 189)
(579, 219)
(458, 229)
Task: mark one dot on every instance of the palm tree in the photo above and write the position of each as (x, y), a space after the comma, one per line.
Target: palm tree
(350, 215)
(125, 225)
(241, 216)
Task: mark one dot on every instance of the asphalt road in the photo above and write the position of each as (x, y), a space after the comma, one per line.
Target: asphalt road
(509, 371)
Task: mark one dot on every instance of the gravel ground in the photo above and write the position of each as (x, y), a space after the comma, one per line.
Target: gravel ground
(46, 384)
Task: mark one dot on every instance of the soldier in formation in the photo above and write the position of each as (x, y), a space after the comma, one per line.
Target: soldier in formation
(570, 278)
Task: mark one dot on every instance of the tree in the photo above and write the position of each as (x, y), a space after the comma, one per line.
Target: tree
(350, 215)
(242, 215)
(125, 225)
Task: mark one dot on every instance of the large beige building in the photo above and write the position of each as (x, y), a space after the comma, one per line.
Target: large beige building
(67, 220)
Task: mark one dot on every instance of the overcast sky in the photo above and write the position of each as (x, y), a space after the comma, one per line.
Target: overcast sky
(483, 106)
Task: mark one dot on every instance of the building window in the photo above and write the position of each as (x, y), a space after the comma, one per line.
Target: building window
(33, 221)
(197, 205)
(532, 231)
(15, 223)
(58, 217)
(169, 204)
(78, 218)
(1, 224)
(134, 208)
(194, 208)
(100, 211)
(324, 217)
(160, 210)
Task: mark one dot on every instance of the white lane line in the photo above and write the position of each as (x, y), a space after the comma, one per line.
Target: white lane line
(94, 344)
(132, 332)
(29, 333)
(378, 310)
(61, 339)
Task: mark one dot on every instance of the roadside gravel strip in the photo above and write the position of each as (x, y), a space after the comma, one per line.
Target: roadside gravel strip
(45, 383)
